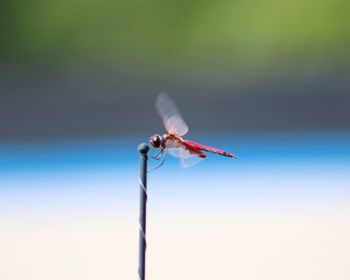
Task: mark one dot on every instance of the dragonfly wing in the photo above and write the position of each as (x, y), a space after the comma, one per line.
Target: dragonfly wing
(173, 148)
(176, 125)
(186, 158)
(189, 160)
(170, 115)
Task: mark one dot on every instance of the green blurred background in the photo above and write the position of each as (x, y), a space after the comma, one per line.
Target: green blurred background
(228, 32)
(79, 68)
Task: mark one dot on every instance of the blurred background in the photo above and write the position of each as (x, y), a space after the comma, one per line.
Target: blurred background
(266, 80)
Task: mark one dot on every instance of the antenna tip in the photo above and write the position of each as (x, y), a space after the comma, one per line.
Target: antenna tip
(143, 148)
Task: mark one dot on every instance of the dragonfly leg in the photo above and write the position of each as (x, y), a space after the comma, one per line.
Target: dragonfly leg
(158, 155)
(162, 158)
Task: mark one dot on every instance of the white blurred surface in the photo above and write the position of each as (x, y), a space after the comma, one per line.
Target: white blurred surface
(287, 245)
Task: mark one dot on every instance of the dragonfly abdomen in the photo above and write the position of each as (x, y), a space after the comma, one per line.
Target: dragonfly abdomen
(209, 149)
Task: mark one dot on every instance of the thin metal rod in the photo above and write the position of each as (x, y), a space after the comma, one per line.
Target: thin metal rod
(143, 149)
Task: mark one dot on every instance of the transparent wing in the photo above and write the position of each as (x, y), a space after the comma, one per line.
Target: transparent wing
(186, 158)
(189, 160)
(170, 115)
(173, 148)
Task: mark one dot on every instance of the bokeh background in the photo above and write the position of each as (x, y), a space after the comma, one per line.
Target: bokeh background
(267, 80)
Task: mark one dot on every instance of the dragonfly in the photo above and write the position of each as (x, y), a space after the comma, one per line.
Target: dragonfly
(189, 152)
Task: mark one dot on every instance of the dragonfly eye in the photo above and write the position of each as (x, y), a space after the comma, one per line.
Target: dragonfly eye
(156, 141)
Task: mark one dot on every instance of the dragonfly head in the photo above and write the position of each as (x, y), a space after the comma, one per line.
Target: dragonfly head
(156, 141)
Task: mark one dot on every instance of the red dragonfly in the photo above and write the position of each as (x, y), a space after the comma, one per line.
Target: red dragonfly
(172, 142)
